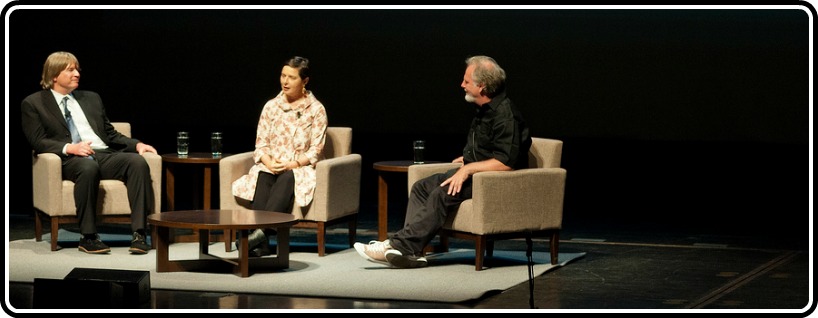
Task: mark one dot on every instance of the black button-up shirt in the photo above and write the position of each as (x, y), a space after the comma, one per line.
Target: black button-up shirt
(498, 131)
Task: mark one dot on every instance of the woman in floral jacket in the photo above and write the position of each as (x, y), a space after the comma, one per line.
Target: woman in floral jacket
(289, 142)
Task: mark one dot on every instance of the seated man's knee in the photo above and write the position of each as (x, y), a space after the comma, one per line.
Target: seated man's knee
(440, 192)
(87, 167)
(417, 186)
(426, 185)
(138, 162)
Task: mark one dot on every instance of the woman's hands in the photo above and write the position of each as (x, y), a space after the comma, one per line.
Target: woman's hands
(280, 167)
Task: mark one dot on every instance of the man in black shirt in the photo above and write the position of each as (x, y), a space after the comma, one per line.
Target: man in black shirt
(498, 140)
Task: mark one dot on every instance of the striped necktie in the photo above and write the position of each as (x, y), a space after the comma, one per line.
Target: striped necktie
(75, 135)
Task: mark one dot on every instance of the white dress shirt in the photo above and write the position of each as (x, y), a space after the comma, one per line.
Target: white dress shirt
(83, 127)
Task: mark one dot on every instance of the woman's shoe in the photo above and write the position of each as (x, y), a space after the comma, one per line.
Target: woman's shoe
(261, 250)
(254, 240)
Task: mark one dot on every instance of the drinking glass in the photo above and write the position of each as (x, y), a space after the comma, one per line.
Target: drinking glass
(182, 143)
(216, 143)
(419, 146)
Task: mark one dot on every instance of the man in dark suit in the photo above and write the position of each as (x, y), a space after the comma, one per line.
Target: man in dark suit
(72, 124)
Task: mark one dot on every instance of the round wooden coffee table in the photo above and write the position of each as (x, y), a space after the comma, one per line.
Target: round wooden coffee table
(226, 220)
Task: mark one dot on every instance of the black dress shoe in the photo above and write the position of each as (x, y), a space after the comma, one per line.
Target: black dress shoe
(138, 244)
(93, 245)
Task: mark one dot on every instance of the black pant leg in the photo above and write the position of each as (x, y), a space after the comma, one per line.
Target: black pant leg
(132, 169)
(429, 205)
(274, 192)
(85, 174)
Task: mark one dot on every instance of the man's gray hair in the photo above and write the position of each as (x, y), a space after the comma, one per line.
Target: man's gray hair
(487, 73)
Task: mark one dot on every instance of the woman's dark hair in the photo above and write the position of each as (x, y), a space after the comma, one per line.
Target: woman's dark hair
(302, 64)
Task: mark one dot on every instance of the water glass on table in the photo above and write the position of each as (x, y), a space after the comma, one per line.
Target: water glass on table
(419, 147)
(216, 144)
(182, 143)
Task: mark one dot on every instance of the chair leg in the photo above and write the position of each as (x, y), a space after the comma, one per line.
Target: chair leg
(555, 245)
(489, 248)
(444, 243)
(228, 239)
(38, 226)
(55, 227)
(321, 237)
(479, 250)
(353, 227)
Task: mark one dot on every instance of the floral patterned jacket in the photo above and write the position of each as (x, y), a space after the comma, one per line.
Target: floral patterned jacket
(286, 131)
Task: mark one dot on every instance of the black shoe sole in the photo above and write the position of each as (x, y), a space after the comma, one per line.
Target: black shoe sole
(401, 261)
(105, 251)
(136, 250)
(262, 250)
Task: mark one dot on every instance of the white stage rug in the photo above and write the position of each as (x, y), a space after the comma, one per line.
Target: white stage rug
(450, 277)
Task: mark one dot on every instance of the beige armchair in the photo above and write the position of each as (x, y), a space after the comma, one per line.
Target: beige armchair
(337, 193)
(54, 197)
(505, 205)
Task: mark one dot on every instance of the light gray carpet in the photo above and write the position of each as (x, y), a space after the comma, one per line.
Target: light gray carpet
(449, 278)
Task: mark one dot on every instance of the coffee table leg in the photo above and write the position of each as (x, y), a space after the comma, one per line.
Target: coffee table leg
(204, 242)
(228, 239)
(243, 267)
(162, 235)
(283, 247)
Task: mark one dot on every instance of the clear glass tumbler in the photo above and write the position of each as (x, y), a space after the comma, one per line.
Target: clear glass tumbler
(182, 143)
(419, 147)
(216, 143)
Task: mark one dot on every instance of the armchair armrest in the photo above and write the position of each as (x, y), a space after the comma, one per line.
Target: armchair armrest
(47, 181)
(230, 169)
(338, 187)
(417, 172)
(502, 199)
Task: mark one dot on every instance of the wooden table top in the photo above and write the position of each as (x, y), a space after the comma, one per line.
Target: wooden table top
(396, 165)
(193, 157)
(221, 219)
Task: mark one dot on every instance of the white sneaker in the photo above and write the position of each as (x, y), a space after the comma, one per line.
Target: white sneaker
(374, 251)
(397, 259)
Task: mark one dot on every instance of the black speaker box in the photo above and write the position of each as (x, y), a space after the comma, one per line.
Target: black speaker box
(136, 285)
(77, 294)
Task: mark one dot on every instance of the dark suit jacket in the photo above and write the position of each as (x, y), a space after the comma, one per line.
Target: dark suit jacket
(46, 130)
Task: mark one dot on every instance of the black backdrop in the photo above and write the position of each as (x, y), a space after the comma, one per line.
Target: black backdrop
(670, 117)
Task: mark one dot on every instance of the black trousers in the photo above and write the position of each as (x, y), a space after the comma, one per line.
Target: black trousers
(274, 192)
(426, 212)
(129, 167)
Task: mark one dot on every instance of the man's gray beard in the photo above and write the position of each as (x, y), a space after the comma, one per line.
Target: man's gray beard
(470, 98)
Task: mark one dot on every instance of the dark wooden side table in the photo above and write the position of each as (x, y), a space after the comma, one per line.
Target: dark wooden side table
(207, 162)
(401, 166)
(203, 221)
(203, 159)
